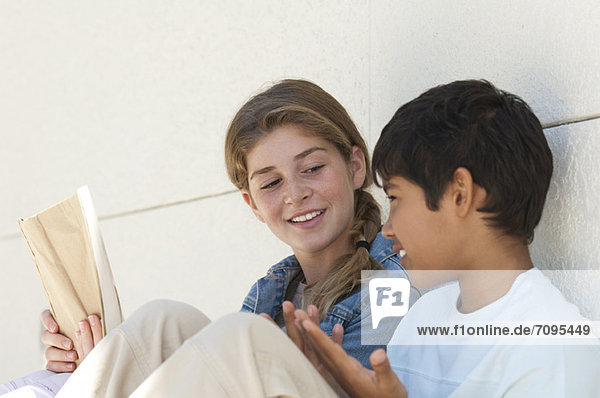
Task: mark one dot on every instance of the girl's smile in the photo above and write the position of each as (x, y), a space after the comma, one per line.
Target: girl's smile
(307, 219)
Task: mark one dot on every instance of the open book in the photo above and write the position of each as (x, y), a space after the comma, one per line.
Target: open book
(69, 254)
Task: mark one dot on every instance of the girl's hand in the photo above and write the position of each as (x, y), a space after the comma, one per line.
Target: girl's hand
(61, 353)
(89, 335)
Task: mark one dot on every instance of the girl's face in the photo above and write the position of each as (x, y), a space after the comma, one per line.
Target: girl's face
(301, 187)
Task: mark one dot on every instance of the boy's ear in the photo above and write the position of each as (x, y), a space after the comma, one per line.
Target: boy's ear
(250, 202)
(462, 191)
(358, 167)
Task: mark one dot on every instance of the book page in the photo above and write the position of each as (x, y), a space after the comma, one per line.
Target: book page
(111, 307)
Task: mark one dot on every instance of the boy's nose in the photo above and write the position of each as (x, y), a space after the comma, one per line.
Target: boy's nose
(386, 230)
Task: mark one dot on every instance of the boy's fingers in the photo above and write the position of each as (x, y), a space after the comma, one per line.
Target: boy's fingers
(309, 351)
(386, 378)
(48, 321)
(330, 353)
(349, 373)
(337, 334)
(381, 366)
(313, 314)
(96, 328)
(290, 324)
(300, 316)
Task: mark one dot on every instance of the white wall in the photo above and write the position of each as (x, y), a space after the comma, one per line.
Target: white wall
(133, 99)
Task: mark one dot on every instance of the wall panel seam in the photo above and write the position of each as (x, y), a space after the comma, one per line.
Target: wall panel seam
(110, 216)
(567, 122)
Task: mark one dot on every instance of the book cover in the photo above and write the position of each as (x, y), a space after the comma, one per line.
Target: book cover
(68, 251)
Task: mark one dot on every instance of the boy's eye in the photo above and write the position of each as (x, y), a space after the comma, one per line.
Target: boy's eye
(271, 184)
(314, 169)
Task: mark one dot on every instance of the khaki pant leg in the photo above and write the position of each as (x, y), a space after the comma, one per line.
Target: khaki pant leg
(132, 351)
(239, 355)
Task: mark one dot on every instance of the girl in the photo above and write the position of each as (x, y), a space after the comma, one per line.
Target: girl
(303, 168)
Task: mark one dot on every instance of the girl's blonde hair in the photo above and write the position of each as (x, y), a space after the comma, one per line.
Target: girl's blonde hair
(302, 103)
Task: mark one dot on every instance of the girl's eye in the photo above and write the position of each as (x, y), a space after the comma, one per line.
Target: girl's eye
(271, 184)
(314, 169)
(391, 198)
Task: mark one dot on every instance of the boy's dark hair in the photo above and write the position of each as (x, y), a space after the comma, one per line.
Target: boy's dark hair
(471, 124)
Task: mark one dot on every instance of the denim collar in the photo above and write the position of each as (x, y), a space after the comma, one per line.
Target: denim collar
(270, 290)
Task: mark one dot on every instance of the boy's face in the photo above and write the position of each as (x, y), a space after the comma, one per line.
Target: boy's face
(427, 236)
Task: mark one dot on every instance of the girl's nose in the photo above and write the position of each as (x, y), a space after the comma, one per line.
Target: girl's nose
(296, 192)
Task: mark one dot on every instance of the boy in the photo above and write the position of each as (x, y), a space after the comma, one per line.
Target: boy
(466, 168)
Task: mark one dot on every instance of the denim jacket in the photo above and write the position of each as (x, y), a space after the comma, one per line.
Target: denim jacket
(268, 293)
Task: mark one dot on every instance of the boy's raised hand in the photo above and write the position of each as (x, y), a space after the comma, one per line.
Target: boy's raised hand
(61, 354)
(295, 333)
(356, 380)
(337, 336)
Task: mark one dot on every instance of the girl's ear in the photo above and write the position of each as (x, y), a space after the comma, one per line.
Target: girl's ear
(462, 191)
(358, 167)
(250, 202)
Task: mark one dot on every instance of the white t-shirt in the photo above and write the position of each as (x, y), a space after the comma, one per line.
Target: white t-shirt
(430, 369)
